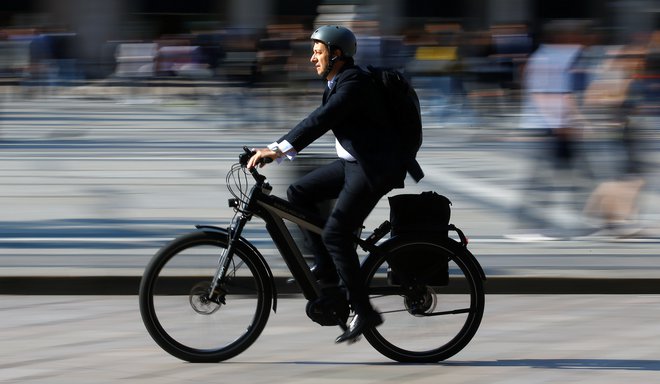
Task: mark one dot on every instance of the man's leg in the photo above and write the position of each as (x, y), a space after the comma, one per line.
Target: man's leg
(354, 203)
(322, 184)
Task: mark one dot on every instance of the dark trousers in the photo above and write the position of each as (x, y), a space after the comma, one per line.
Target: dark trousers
(346, 182)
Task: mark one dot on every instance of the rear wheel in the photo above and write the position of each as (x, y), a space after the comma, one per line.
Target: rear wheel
(188, 319)
(431, 312)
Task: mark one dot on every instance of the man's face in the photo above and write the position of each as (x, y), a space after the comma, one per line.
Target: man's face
(320, 57)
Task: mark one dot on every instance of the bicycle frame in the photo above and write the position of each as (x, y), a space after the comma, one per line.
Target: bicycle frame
(273, 210)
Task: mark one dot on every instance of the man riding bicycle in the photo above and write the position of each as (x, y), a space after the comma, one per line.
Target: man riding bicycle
(369, 165)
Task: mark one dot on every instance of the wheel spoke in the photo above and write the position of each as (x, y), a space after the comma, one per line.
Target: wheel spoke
(454, 312)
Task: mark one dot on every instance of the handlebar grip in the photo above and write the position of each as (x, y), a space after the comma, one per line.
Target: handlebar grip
(244, 157)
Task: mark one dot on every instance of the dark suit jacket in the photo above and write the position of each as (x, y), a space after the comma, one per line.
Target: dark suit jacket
(354, 111)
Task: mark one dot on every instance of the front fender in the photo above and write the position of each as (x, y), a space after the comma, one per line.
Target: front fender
(251, 247)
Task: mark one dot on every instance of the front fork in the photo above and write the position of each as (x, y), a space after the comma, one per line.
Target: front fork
(233, 234)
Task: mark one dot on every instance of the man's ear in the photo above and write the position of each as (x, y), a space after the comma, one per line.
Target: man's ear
(335, 54)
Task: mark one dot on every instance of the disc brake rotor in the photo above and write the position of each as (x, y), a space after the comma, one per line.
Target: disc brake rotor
(421, 304)
(204, 302)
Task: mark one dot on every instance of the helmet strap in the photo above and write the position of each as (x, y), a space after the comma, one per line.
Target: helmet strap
(331, 65)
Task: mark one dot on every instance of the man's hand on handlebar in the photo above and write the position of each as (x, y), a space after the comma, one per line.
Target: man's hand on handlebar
(261, 157)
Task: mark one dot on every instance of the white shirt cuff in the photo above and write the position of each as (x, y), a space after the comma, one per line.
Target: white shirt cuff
(285, 148)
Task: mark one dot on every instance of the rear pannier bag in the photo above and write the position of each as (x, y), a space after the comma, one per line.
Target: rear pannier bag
(426, 213)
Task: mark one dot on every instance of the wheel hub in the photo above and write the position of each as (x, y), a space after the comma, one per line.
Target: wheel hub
(422, 302)
(203, 301)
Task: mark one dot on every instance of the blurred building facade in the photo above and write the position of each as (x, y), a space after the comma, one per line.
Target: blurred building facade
(112, 19)
(91, 39)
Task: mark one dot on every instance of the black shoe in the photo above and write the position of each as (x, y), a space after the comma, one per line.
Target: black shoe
(359, 324)
(325, 276)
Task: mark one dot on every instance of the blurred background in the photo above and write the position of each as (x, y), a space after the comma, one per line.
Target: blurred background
(119, 120)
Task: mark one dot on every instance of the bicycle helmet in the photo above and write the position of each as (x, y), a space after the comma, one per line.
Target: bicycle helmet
(336, 36)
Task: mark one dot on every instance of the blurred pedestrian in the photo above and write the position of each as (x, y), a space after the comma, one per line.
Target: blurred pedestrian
(550, 109)
(625, 90)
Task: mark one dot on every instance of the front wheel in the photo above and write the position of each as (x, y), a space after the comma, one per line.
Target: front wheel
(190, 320)
(431, 299)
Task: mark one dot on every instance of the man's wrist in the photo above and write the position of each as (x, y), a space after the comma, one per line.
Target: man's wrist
(276, 148)
(283, 149)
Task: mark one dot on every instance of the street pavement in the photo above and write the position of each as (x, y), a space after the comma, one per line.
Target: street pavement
(526, 339)
(93, 186)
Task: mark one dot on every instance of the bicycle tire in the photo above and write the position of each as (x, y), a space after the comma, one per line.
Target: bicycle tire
(177, 315)
(431, 334)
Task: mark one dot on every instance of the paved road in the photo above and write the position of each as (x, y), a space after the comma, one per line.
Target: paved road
(523, 339)
(92, 187)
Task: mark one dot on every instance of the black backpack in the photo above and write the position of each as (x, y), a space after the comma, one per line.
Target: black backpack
(404, 112)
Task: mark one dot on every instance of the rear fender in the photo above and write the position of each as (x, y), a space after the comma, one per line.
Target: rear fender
(447, 242)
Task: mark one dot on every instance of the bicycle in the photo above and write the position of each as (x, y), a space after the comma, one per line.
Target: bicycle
(207, 295)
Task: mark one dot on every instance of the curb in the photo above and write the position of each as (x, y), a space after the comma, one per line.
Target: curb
(129, 285)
